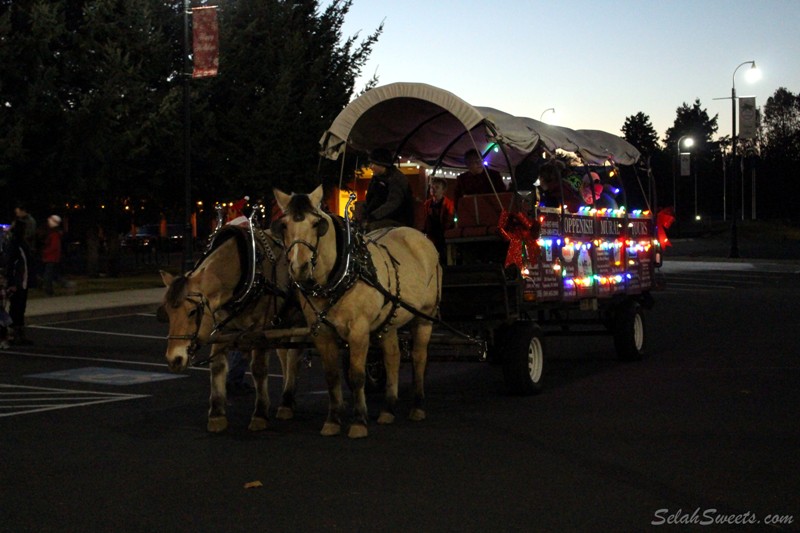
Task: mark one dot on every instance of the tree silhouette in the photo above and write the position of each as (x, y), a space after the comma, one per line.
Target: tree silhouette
(639, 131)
(692, 120)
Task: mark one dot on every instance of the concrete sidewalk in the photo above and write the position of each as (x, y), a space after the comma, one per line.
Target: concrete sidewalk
(82, 306)
(96, 305)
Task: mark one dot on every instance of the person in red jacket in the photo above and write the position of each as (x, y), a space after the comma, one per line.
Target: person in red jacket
(439, 211)
(51, 253)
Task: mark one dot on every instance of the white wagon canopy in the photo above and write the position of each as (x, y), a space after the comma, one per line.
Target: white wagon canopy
(437, 127)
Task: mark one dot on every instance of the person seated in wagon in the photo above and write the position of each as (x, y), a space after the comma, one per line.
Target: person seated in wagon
(595, 194)
(478, 179)
(554, 190)
(389, 201)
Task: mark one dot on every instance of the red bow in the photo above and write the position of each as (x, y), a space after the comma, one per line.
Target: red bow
(664, 220)
(519, 231)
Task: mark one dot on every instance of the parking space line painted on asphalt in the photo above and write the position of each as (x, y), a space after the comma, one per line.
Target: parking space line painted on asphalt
(114, 361)
(95, 332)
(21, 399)
(106, 376)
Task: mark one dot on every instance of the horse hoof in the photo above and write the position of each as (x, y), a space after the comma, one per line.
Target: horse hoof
(257, 424)
(217, 424)
(330, 429)
(284, 413)
(357, 431)
(385, 418)
(417, 415)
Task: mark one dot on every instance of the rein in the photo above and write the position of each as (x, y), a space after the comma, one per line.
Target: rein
(358, 265)
(257, 286)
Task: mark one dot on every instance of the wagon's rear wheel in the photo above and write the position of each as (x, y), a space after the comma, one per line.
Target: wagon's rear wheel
(523, 358)
(374, 369)
(629, 331)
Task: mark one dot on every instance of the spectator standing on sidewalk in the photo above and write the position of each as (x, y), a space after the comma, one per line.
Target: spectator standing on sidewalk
(51, 254)
(5, 318)
(17, 273)
(29, 224)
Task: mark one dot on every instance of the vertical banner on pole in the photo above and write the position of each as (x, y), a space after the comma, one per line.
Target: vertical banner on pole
(205, 45)
(686, 164)
(747, 117)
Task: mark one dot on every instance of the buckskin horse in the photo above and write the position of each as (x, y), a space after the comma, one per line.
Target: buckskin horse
(231, 296)
(357, 288)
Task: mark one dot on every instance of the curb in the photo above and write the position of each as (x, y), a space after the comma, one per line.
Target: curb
(83, 314)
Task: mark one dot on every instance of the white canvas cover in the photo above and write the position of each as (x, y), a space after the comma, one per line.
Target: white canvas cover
(428, 123)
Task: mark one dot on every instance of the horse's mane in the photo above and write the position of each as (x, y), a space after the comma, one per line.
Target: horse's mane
(176, 292)
(299, 206)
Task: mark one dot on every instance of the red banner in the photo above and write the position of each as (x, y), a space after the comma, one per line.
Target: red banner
(205, 45)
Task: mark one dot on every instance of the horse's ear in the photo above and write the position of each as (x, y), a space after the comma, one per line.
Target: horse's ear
(316, 197)
(322, 226)
(277, 228)
(282, 198)
(161, 314)
(166, 277)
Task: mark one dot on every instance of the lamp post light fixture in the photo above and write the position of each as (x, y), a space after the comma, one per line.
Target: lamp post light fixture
(753, 74)
(551, 109)
(687, 142)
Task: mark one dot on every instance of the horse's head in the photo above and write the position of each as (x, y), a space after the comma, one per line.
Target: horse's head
(188, 306)
(307, 236)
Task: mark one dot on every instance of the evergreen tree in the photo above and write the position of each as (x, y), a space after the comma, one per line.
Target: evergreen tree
(692, 121)
(286, 71)
(639, 131)
(781, 154)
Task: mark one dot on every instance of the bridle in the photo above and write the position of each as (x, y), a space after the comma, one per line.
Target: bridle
(313, 248)
(258, 287)
(200, 305)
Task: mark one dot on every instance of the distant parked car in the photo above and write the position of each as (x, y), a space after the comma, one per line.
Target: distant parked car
(148, 237)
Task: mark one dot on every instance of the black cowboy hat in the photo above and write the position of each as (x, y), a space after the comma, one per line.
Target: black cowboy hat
(382, 157)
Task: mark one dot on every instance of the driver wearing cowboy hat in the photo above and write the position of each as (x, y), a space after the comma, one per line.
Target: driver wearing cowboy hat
(389, 201)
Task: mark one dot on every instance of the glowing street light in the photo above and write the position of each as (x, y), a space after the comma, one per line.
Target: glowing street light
(753, 74)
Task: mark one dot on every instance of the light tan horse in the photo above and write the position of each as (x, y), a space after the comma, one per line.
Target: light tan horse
(401, 265)
(204, 300)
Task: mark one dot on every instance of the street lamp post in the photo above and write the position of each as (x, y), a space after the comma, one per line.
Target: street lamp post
(551, 109)
(187, 142)
(734, 253)
(687, 142)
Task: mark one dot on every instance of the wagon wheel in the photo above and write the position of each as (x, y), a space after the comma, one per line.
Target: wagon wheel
(523, 358)
(629, 331)
(374, 369)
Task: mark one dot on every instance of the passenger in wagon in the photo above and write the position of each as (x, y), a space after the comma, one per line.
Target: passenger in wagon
(389, 201)
(439, 211)
(555, 190)
(477, 179)
(595, 194)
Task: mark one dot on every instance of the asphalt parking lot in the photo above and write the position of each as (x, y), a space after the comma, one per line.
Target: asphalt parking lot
(706, 423)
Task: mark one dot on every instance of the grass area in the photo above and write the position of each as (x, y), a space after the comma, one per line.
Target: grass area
(90, 285)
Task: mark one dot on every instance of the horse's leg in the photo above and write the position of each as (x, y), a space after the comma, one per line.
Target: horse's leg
(359, 345)
(329, 353)
(259, 367)
(217, 421)
(419, 353)
(290, 360)
(391, 361)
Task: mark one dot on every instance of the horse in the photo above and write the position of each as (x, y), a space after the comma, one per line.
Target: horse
(353, 293)
(209, 305)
